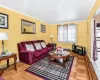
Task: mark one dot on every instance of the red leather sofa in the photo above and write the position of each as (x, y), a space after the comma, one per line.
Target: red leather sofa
(31, 56)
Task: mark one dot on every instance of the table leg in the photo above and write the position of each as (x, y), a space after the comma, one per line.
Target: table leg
(64, 66)
(1, 71)
(7, 62)
(15, 59)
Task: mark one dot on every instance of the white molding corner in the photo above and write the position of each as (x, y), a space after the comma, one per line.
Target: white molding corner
(91, 8)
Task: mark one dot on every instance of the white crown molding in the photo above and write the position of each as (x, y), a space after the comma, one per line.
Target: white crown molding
(22, 13)
(69, 22)
(91, 8)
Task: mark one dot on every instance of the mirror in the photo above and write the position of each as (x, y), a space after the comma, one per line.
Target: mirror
(28, 27)
(43, 28)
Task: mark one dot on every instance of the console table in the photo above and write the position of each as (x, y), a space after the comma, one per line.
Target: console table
(79, 49)
(7, 58)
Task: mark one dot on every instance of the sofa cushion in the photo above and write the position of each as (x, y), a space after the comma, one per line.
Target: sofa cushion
(43, 51)
(50, 48)
(43, 44)
(29, 47)
(37, 54)
(25, 42)
(38, 46)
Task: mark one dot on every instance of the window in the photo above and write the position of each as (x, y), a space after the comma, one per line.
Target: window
(67, 33)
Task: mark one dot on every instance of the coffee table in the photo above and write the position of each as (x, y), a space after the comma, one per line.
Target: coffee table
(54, 58)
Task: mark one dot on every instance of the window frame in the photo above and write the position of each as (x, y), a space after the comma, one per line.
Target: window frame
(67, 34)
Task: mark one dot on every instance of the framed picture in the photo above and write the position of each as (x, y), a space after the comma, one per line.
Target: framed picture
(3, 21)
(28, 27)
(43, 28)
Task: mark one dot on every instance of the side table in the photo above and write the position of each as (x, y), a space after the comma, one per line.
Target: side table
(7, 58)
(53, 45)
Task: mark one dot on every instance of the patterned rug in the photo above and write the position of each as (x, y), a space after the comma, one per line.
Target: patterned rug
(47, 71)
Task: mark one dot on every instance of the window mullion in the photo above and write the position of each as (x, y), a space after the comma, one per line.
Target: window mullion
(63, 33)
(67, 32)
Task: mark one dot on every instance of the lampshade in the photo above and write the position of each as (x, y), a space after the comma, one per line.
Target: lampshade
(51, 36)
(3, 36)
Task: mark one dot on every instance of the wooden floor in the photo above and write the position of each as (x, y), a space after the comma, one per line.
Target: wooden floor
(78, 71)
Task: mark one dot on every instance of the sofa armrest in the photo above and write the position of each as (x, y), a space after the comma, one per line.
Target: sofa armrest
(28, 55)
(24, 51)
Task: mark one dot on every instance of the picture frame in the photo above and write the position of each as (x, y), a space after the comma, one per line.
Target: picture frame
(28, 27)
(43, 28)
(3, 20)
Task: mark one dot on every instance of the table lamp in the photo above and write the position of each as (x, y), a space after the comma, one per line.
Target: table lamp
(51, 36)
(3, 36)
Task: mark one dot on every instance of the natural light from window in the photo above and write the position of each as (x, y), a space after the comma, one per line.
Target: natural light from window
(67, 33)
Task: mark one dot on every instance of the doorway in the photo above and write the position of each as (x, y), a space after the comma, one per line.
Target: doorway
(95, 42)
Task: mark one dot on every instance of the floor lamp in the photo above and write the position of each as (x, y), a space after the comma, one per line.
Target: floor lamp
(3, 36)
(51, 36)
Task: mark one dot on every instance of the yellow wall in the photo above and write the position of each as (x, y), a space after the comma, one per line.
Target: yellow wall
(14, 31)
(81, 34)
(93, 11)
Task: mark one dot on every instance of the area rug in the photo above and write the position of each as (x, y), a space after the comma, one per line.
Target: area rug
(47, 71)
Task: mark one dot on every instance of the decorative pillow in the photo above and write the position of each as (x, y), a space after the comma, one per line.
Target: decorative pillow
(29, 47)
(38, 46)
(43, 44)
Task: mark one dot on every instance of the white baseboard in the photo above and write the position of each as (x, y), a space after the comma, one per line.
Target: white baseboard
(96, 69)
(18, 61)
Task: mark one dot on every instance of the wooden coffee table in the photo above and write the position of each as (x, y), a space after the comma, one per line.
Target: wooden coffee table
(53, 58)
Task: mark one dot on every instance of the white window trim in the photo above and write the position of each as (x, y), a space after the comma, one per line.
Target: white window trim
(64, 42)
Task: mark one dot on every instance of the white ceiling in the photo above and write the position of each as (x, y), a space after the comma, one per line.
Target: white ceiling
(52, 11)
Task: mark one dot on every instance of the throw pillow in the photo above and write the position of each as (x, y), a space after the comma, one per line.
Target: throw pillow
(43, 44)
(29, 47)
(38, 46)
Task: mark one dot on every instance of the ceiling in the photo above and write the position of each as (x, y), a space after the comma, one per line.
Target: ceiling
(52, 11)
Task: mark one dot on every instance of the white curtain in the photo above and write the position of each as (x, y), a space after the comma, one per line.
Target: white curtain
(95, 54)
(72, 33)
(60, 33)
